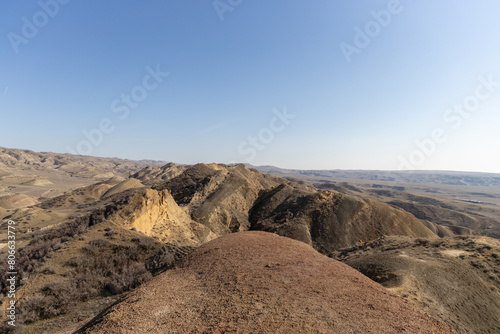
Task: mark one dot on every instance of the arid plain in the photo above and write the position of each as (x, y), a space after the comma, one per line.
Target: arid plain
(96, 235)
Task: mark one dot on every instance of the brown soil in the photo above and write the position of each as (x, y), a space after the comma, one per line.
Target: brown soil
(16, 201)
(457, 280)
(257, 282)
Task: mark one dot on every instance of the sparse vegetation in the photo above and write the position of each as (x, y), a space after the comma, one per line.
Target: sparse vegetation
(74, 270)
(102, 268)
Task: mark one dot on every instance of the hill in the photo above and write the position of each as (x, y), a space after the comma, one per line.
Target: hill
(465, 202)
(85, 248)
(46, 175)
(252, 282)
(457, 280)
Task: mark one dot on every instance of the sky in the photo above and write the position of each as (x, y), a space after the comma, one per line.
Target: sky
(389, 85)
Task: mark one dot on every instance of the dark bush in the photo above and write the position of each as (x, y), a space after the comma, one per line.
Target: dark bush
(29, 258)
(32, 309)
(56, 299)
(110, 233)
(49, 270)
(129, 278)
(5, 328)
(147, 243)
(102, 269)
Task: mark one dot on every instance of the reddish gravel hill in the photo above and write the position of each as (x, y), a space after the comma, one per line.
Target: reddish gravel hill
(257, 282)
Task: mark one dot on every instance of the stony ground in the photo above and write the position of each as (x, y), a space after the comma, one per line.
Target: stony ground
(257, 282)
(457, 280)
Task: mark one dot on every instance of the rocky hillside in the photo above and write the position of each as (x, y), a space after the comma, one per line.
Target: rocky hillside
(76, 165)
(464, 202)
(459, 222)
(156, 214)
(258, 282)
(83, 249)
(151, 175)
(330, 220)
(457, 280)
(46, 175)
(230, 199)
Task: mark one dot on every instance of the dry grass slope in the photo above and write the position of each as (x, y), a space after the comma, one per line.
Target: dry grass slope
(457, 280)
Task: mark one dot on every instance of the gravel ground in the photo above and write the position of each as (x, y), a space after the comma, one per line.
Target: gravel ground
(257, 282)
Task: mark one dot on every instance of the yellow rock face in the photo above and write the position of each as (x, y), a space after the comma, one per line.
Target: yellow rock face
(156, 214)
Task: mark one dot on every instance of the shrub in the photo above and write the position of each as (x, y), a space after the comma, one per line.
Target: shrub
(8, 329)
(102, 269)
(147, 243)
(129, 278)
(110, 233)
(50, 270)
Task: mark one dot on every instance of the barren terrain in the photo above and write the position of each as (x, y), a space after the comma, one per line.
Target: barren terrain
(256, 282)
(457, 280)
(446, 198)
(108, 226)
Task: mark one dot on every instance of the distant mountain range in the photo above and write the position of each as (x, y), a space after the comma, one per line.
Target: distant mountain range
(89, 230)
(436, 177)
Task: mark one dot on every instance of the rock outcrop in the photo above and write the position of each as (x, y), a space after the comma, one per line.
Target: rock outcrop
(218, 196)
(234, 198)
(156, 214)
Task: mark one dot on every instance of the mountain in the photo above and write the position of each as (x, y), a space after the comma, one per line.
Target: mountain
(400, 176)
(151, 174)
(87, 244)
(45, 175)
(330, 220)
(464, 202)
(75, 165)
(234, 198)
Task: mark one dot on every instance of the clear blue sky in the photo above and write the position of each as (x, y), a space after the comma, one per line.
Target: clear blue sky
(68, 67)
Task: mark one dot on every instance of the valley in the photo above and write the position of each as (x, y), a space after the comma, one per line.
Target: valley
(93, 231)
